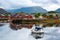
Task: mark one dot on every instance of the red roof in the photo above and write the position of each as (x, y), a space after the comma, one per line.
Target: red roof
(29, 16)
(55, 17)
(4, 16)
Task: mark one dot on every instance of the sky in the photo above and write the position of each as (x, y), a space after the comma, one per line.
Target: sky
(49, 5)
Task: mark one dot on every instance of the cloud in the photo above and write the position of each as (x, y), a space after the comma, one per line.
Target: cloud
(49, 4)
(4, 4)
(54, 1)
(47, 1)
(52, 7)
(46, 4)
(58, 1)
(7, 4)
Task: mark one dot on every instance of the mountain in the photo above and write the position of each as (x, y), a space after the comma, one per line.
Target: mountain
(34, 9)
(58, 10)
(2, 11)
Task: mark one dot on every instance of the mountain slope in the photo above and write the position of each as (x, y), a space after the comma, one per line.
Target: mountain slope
(33, 9)
(58, 10)
(2, 11)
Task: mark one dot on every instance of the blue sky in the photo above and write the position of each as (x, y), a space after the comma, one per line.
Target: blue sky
(14, 4)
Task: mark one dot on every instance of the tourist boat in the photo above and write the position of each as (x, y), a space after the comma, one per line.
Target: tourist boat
(37, 32)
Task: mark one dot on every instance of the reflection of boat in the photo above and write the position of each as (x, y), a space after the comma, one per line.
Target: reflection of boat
(1, 24)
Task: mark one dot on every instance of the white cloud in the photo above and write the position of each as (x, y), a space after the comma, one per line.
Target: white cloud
(58, 1)
(4, 4)
(52, 7)
(49, 4)
(16, 3)
(46, 4)
(40, 1)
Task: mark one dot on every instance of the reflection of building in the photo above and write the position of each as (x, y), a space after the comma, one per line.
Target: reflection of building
(16, 27)
(16, 21)
(4, 19)
(22, 21)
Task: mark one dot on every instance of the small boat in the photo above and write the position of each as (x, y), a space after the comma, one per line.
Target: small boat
(37, 32)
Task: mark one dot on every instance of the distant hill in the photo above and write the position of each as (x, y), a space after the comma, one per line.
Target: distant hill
(58, 10)
(52, 12)
(2, 11)
(34, 9)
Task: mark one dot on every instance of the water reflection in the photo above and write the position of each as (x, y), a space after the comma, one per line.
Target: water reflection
(29, 26)
(1, 24)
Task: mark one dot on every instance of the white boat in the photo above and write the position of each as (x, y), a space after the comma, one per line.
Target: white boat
(37, 33)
